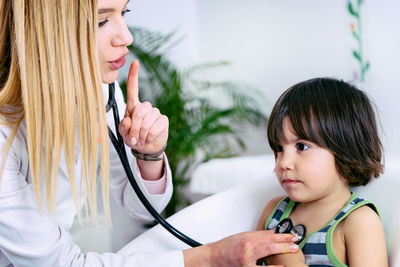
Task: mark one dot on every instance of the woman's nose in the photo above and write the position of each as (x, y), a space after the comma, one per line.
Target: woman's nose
(123, 36)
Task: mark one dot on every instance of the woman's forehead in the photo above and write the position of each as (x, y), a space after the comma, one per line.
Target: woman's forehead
(111, 5)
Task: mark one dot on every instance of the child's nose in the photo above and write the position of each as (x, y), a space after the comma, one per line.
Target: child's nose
(285, 161)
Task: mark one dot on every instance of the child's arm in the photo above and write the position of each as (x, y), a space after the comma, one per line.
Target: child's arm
(286, 259)
(365, 239)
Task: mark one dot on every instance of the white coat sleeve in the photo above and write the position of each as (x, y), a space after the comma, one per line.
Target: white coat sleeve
(120, 187)
(30, 238)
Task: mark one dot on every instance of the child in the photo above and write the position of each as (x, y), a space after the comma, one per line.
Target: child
(324, 136)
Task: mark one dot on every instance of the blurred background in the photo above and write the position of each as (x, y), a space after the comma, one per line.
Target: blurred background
(271, 45)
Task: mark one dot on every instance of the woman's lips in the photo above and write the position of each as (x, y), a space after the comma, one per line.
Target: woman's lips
(117, 64)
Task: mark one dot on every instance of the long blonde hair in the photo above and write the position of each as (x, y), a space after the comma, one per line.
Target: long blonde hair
(49, 77)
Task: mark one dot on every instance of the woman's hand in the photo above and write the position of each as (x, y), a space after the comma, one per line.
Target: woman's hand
(143, 127)
(242, 249)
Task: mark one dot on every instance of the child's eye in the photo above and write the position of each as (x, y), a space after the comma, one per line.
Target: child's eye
(279, 148)
(101, 23)
(125, 11)
(302, 147)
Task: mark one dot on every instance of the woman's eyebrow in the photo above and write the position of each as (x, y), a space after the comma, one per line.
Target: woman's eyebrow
(106, 10)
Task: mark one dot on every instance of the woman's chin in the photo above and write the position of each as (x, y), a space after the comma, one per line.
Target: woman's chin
(109, 76)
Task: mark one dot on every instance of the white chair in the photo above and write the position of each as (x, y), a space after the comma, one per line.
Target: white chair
(238, 209)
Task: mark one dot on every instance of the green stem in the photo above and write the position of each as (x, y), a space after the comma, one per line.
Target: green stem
(360, 46)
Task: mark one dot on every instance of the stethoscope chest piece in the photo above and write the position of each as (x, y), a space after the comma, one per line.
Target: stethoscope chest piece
(286, 227)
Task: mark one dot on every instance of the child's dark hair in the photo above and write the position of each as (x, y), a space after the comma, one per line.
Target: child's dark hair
(335, 115)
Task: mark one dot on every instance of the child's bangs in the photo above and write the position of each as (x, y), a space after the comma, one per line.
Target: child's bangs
(301, 107)
(306, 125)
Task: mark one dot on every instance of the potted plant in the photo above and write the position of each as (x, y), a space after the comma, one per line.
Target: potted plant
(201, 128)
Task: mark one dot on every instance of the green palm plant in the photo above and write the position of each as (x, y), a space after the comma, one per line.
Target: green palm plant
(201, 128)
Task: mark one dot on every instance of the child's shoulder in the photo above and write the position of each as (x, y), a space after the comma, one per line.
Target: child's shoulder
(361, 218)
(362, 225)
(364, 235)
(273, 202)
(269, 208)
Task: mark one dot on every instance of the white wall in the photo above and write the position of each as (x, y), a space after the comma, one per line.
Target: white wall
(273, 44)
(383, 39)
(167, 16)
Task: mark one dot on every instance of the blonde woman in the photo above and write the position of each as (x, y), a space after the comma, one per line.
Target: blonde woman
(57, 58)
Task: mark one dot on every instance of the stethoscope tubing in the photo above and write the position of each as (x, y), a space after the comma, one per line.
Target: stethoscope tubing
(119, 146)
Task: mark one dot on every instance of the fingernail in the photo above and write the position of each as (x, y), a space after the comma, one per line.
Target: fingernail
(133, 141)
(295, 239)
(293, 247)
(139, 144)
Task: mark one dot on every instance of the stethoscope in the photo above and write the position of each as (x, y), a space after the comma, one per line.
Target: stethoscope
(119, 146)
(285, 226)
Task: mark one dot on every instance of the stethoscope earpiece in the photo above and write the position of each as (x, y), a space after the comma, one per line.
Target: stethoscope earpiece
(286, 227)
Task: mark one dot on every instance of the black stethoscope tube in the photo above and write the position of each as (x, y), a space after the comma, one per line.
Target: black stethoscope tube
(120, 148)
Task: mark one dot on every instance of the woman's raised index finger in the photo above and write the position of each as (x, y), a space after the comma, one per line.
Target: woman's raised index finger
(132, 86)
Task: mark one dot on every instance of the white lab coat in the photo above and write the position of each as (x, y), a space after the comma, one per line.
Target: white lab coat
(28, 238)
